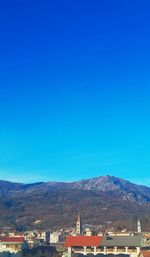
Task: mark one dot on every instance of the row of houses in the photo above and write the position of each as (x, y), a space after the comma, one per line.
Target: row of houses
(17, 246)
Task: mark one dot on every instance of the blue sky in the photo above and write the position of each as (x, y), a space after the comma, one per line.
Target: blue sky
(74, 90)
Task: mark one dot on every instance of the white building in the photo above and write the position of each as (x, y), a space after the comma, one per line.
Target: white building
(54, 237)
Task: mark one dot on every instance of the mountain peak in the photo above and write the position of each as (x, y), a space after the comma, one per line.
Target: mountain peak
(102, 183)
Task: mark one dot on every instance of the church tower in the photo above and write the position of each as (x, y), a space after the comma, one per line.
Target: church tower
(79, 225)
(139, 230)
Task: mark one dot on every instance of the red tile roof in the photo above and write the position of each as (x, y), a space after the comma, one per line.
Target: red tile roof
(12, 239)
(147, 236)
(83, 241)
(145, 253)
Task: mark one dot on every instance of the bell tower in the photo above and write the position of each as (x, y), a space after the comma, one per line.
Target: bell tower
(79, 225)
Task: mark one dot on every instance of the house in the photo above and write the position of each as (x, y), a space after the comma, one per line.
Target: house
(146, 240)
(12, 244)
(55, 237)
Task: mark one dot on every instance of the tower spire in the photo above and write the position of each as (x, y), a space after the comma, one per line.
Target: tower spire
(139, 230)
(79, 225)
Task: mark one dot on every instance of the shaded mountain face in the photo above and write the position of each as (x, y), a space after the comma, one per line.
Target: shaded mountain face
(56, 204)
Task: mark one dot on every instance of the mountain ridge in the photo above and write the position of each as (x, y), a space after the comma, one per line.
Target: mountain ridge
(56, 203)
(100, 183)
(54, 183)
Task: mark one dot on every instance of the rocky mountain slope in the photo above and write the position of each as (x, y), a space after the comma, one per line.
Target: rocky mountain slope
(56, 204)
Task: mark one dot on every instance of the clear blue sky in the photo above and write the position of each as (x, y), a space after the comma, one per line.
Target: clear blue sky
(74, 89)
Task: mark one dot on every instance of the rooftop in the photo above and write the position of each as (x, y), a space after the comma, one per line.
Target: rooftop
(145, 253)
(83, 241)
(11, 239)
(122, 241)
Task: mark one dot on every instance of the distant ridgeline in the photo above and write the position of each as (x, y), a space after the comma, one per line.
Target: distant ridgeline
(55, 204)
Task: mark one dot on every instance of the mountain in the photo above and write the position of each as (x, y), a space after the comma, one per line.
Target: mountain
(111, 184)
(56, 204)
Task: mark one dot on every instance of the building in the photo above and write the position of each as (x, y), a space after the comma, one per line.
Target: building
(79, 225)
(88, 232)
(12, 244)
(55, 237)
(139, 229)
(130, 245)
(146, 241)
(82, 244)
(45, 236)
